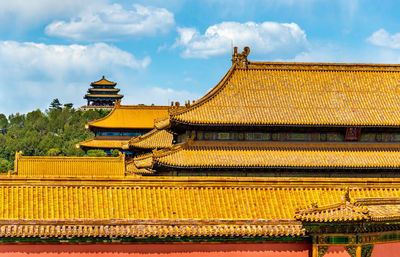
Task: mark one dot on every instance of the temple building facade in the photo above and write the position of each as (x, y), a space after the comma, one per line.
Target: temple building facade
(278, 159)
(102, 94)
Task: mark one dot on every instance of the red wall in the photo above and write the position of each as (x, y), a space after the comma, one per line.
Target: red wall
(386, 250)
(164, 250)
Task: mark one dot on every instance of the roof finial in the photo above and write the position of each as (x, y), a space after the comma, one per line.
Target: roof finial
(103, 77)
(240, 59)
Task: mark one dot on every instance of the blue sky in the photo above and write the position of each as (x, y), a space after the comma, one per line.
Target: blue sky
(160, 51)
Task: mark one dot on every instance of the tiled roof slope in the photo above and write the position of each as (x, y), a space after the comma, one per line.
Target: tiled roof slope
(104, 81)
(152, 140)
(371, 209)
(145, 208)
(345, 211)
(268, 93)
(268, 155)
(45, 166)
(102, 143)
(131, 116)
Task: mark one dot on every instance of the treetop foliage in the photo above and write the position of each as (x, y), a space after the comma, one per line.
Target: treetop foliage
(53, 133)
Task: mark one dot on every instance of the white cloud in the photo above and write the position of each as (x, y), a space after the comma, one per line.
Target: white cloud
(113, 22)
(384, 39)
(266, 39)
(38, 73)
(29, 13)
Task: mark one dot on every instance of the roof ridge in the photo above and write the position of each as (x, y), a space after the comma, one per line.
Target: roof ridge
(327, 65)
(210, 94)
(303, 215)
(103, 78)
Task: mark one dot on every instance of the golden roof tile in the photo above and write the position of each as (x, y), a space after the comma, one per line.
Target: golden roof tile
(152, 140)
(333, 213)
(103, 89)
(268, 93)
(291, 145)
(102, 143)
(104, 95)
(131, 117)
(225, 157)
(45, 166)
(103, 81)
(361, 209)
(144, 208)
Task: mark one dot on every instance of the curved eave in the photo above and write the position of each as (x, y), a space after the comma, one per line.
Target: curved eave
(94, 96)
(90, 125)
(160, 163)
(174, 120)
(103, 82)
(104, 90)
(99, 143)
(205, 98)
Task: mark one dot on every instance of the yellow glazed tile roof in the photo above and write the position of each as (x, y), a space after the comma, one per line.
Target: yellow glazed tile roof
(152, 140)
(104, 81)
(334, 213)
(102, 143)
(103, 89)
(367, 209)
(144, 208)
(45, 166)
(131, 116)
(267, 93)
(102, 95)
(291, 145)
(186, 156)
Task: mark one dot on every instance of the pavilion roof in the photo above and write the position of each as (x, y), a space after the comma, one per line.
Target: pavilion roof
(103, 81)
(130, 117)
(300, 94)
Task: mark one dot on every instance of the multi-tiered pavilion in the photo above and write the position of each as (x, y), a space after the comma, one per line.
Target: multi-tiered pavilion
(102, 94)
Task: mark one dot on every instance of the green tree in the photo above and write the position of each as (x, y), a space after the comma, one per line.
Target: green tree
(3, 123)
(4, 165)
(53, 152)
(38, 133)
(55, 104)
(96, 153)
(114, 152)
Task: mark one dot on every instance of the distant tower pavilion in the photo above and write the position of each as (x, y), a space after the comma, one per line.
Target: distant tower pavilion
(102, 94)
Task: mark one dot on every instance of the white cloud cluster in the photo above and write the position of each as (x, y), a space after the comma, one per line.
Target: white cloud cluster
(39, 72)
(384, 39)
(28, 13)
(56, 60)
(113, 22)
(267, 39)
